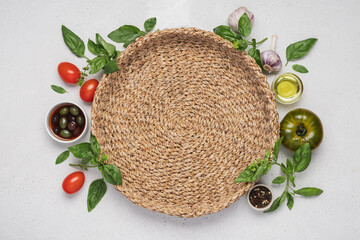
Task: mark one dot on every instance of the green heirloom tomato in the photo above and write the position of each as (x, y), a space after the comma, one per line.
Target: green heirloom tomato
(301, 126)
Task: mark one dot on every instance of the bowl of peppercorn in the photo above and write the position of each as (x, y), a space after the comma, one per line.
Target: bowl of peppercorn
(66, 122)
(260, 197)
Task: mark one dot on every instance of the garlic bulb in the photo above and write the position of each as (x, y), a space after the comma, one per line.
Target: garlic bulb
(234, 17)
(270, 59)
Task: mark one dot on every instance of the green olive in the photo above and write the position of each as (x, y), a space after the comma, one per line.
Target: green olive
(80, 120)
(64, 111)
(65, 133)
(74, 111)
(63, 122)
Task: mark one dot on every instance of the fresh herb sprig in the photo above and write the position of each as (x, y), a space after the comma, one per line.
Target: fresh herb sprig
(299, 163)
(90, 152)
(298, 50)
(105, 53)
(239, 40)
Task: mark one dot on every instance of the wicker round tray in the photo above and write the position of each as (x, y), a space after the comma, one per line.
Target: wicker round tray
(182, 118)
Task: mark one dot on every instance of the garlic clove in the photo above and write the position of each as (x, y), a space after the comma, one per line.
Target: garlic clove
(271, 61)
(234, 17)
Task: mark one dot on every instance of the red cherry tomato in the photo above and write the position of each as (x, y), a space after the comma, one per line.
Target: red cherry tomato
(87, 91)
(68, 72)
(73, 182)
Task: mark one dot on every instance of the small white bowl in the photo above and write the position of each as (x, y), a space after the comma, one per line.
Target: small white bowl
(50, 132)
(264, 208)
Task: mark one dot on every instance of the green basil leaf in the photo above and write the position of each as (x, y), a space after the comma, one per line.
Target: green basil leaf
(292, 180)
(275, 205)
(74, 43)
(226, 33)
(279, 180)
(94, 145)
(309, 191)
(283, 169)
(245, 176)
(277, 148)
(299, 68)
(266, 160)
(124, 33)
(267, 168)
(58, 89)
(82, 150)
(289, 166)
(244, 25)
(283, 197)
(85, 160)
(302, 157)
(267, 156)
(112, 174)
(97, 64)
(93, 47)
(96, 192)
(150, 24)
(255, 54)
(299, 49)
(290, 201)
(240, 45)
(98, 39)
(111, 67)
(110, 49)
(62, 157)
(259, 172)
(131, 40)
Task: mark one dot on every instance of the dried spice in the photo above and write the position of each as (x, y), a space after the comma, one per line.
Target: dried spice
(260, 197)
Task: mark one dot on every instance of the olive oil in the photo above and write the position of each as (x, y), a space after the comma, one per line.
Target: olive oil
(287, 88)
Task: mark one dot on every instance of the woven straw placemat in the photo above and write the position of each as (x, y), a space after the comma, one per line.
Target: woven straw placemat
(182, 118)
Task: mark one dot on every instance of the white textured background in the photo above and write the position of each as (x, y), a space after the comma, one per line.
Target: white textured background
(32, 203)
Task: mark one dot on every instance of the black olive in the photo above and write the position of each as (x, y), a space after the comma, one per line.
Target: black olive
(71, 118)
(71, 126)
(55, 119)
(77, 131)
(56, 130)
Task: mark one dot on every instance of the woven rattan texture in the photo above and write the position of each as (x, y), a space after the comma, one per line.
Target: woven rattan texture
(182, 118)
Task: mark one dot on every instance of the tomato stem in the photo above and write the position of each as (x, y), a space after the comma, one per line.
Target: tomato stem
(301, 131)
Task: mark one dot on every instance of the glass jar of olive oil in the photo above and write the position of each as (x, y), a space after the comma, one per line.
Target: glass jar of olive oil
(287, 88)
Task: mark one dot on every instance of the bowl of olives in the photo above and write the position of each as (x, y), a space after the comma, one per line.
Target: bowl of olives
(66, 122)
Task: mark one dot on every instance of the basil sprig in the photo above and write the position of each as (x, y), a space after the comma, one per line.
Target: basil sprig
(127, 34)
(299, 163)
(299, 49)
(239, 41)
(105, 53)
(90, 152)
